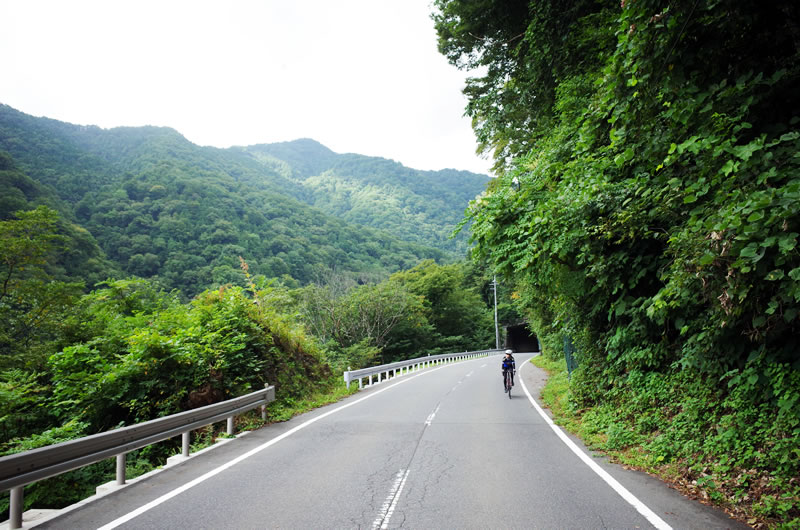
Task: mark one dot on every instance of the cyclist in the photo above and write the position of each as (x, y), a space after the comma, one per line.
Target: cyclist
(508, 365)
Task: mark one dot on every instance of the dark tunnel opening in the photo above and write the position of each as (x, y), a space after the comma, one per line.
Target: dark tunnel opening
(520, 339)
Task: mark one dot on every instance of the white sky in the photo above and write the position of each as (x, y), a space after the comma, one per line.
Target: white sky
(359, 76)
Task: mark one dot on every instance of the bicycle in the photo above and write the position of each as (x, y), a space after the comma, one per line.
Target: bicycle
(507, 382)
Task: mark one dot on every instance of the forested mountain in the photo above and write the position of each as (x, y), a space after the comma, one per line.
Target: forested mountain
(160, 206)
(420, 206)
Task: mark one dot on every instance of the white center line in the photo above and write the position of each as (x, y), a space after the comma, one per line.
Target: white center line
(177, 491)
(432, 415)
(470, 374)
(389, 505)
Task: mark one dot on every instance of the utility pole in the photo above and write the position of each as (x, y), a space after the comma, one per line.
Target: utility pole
(496, 329)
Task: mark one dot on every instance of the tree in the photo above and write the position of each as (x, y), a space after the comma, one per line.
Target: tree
(32, 303)
(522, 49)
(454, 308)
(347, 315)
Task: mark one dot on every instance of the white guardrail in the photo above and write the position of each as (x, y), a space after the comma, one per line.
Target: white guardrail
(20, 469)
(387, 371)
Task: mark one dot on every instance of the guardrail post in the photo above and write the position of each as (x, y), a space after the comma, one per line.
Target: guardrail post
(15, 508)
(185, 439)
(229, 430)
(360, 384)
(121, 469)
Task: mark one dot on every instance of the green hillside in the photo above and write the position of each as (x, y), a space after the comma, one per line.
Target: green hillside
(162, 207)
(414, 205)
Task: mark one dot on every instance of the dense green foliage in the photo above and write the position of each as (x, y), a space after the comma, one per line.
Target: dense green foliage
(135, 353)
(163, 208)
(43, 265)
(459, 317)
(429, 309)
(78, 255)
(648, 206)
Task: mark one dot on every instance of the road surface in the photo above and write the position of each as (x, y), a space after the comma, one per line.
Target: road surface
(439, 448)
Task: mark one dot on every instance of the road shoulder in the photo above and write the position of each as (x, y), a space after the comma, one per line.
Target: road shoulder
(671, 505)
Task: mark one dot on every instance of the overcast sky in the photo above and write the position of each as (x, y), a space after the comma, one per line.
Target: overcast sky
(360, 76)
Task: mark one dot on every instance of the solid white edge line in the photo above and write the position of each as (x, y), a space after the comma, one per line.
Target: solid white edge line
(629, 497)
(155, 502)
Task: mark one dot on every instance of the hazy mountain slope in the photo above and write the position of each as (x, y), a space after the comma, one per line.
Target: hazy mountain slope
(298, 159)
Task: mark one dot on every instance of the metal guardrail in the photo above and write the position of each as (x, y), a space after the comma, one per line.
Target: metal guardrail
(20, 469)
(409, 366)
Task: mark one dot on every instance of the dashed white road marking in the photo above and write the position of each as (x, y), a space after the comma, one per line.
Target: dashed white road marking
(177, 491)
(389, 505)
(432, 415)
(470, 374)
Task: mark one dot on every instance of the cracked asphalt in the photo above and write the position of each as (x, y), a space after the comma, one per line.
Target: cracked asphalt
(470, 458)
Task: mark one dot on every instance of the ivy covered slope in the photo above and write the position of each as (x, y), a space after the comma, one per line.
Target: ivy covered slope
(649, 208)
(162, 207)
(419, 206)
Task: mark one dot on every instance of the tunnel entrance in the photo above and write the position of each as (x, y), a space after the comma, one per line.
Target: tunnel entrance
(520, 339)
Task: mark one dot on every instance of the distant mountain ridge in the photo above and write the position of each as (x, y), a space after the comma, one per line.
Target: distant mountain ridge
(160, 206)
(415, 205)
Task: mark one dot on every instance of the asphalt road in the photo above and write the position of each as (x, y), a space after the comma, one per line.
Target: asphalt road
(440, 448)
